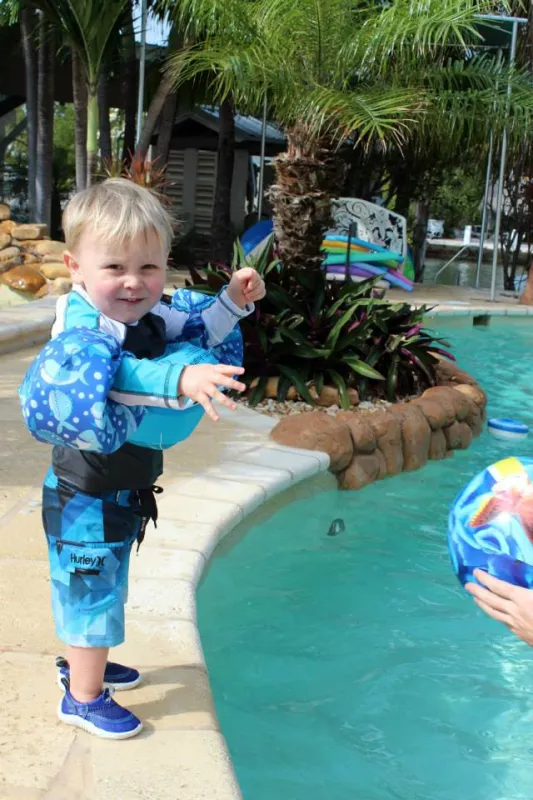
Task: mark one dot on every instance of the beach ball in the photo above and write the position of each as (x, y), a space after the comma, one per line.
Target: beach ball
(490, 525)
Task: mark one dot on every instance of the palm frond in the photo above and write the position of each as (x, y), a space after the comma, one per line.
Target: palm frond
(9, 12)
(87, 25)
(355, 69)
(377, 112)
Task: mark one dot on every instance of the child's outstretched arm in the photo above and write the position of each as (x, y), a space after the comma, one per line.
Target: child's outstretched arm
(207, 321)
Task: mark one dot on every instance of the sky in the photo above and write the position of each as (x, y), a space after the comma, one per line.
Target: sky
(156, 33)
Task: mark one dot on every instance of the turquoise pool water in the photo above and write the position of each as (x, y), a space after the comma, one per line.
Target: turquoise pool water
(354, 667)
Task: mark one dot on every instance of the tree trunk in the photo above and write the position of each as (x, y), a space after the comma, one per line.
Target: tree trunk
(156, 106)
(55, 212)
(221, 228)
(129, 88)
(166, 86)
(28, 23)
(106, 152)
(79, 92)
(166, 125)
(308, 176)
(510, 253)
(92, 131)
(403, 200)
(45, 123)
(420, 238)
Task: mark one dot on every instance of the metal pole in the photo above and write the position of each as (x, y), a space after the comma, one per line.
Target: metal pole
(262, 163)
(484, 216)
(499, 200)
(142, 69)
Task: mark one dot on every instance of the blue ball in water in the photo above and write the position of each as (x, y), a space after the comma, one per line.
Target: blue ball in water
(490, 525)
(507, 429)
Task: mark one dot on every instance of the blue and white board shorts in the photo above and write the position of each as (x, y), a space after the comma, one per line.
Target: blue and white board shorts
(89, 544)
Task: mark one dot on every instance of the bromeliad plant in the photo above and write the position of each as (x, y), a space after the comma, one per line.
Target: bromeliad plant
(310, 332)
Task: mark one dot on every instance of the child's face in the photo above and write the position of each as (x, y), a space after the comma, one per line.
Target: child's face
(124, 282)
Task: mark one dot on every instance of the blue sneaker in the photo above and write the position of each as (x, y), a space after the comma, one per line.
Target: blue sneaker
(101, 717)
(116, 676)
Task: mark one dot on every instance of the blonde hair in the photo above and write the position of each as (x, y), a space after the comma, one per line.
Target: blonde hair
(117, 210)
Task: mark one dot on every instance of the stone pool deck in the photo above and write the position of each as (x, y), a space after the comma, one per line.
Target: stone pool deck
(458, 301)
(212, 482)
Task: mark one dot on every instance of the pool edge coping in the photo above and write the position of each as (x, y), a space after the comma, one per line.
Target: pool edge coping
(270, 469)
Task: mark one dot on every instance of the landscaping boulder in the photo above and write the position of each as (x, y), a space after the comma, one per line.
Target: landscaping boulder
(437, 414)
(438, 446)
(363, 436)
(9, 257)
(24, 278)
(475, 393)
(7, 225)
(317, 431)
(363, 470)
(416, 435)
(44, 247)
(54, 270)
(443, 396)
(388, 433)
(32, 231)
(458, 436)
(448, 372)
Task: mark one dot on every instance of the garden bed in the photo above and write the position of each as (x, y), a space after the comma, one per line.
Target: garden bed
(365, 445)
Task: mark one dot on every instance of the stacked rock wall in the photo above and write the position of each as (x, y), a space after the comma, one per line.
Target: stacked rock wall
(30, 261)
(365, 446)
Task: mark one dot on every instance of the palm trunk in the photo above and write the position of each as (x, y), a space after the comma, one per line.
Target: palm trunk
(28, 23)
(403, 200)
(45, 123)
(129, 88)
(106, 152)
(92, 131)
(79, 93)
(166, 125)
(221, 229)
(156, 106)
(165, 88)
(420, 231)
(308, 176)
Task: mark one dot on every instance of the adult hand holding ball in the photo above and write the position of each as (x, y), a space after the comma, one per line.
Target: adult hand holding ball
(490, 526)
(490, 538)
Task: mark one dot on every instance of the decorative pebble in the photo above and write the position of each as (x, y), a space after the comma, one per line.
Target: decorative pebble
(276, 408)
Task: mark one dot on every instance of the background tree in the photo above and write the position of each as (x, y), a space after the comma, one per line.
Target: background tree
(356, 72)
(88, 26)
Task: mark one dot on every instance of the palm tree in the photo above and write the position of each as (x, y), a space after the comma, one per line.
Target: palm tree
(87, 25)
(28, 24)
(79, 96)
(130, 80)
(45, 122)
(341, 72)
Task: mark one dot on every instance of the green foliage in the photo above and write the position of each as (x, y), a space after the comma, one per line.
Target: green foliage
(9, 12)
(354, 70)
(312, 332)
(458, 199)
(64, 153)
(87, 26)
